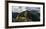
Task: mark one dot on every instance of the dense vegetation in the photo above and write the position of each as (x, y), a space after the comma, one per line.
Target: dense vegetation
(26, 16)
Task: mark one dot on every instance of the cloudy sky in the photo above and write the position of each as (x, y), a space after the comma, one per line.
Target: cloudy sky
(19, 9)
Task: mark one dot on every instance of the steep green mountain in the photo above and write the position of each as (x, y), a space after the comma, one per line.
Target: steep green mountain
(23, 17)
(26, 16)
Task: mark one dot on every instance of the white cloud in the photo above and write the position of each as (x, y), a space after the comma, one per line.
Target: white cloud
(19, 10)
(23, 8)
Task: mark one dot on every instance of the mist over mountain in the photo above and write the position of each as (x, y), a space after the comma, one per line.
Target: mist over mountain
(33, 12)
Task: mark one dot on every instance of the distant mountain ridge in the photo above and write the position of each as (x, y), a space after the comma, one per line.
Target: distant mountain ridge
(34, 15)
